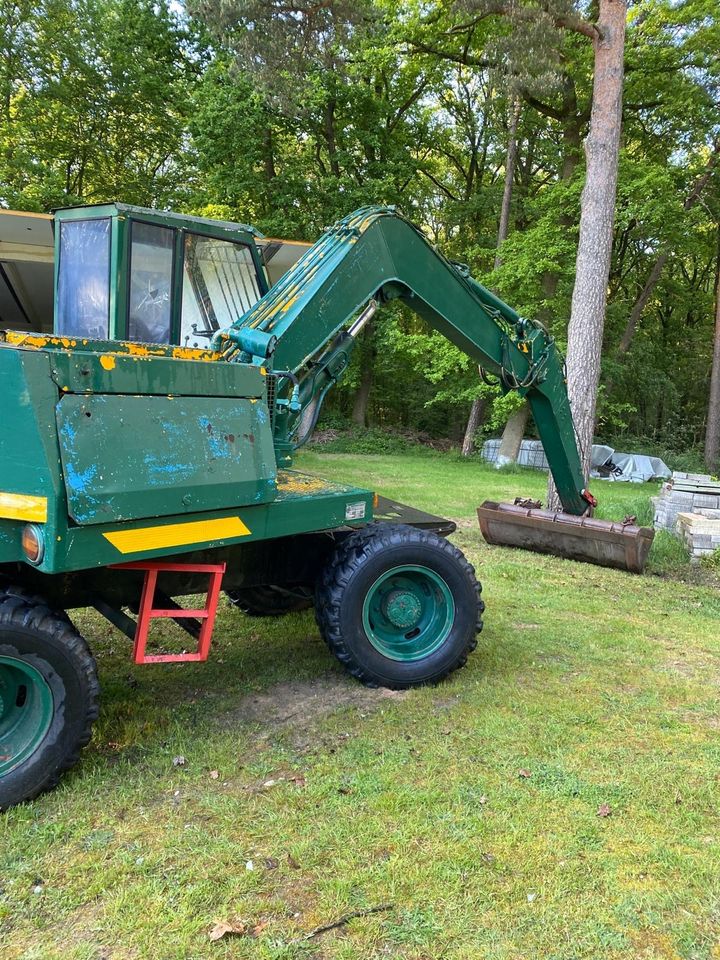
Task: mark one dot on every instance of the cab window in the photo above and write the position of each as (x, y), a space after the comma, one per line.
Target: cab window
(151, 274)
(83, 287)
(219, 285)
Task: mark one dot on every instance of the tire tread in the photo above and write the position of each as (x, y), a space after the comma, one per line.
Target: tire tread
(350, 553)
(19, 608)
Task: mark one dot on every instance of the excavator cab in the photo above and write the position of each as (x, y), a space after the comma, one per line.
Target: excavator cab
(127, 273)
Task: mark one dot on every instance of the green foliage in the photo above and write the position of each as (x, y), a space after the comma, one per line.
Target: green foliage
(373, 441)
(291, 116)
(712, 562)
(93, 95)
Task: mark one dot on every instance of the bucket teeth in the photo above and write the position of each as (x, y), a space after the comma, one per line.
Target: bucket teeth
(624, 546)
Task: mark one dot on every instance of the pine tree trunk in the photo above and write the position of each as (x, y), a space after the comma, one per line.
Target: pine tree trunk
(597, 210)
(515, 427)
(712, 431)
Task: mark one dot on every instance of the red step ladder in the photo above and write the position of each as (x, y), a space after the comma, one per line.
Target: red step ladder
(148, 612)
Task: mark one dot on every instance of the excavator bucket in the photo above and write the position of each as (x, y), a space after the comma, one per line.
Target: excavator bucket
(624, 546)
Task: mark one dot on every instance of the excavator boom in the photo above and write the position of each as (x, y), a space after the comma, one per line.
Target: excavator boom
(374, 256)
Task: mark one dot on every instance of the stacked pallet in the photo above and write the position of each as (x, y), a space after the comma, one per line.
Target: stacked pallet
(689, 505)
(701, 534)
(686, 493)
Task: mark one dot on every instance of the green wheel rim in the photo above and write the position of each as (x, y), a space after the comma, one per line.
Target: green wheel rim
(26, 711)
(408, 613)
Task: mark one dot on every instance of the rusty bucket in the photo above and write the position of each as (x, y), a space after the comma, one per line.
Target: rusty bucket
(624, 546)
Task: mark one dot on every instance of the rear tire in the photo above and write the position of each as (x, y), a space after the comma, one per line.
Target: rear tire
(399, 606)
(270, 600)
(48, 696)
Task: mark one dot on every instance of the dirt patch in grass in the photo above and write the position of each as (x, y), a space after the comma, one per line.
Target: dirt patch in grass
(297, 705)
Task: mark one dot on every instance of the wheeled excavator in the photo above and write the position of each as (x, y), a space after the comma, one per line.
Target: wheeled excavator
(146, 455)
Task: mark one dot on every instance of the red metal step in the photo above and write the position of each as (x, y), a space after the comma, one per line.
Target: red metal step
(149, 612)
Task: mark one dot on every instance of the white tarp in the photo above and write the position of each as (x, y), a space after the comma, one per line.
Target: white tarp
(606, 462)
(633, 467)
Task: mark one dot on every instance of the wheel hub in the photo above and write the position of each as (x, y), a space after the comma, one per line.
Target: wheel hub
(26, 711)
(403, 609)
(408, 612)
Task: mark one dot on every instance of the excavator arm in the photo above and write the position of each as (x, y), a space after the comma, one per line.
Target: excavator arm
(298, 331)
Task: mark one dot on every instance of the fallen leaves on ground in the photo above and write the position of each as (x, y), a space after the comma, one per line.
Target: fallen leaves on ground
(223, 928)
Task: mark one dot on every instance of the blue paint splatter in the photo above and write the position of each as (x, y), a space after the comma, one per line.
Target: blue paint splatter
(68, 433)
(219, 448)
(79, 481)
(159, 471)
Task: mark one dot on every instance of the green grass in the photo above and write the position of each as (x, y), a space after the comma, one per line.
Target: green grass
(603, 686)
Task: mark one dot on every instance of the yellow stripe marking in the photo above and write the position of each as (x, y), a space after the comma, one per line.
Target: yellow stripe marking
(176, 534)
(19, 506)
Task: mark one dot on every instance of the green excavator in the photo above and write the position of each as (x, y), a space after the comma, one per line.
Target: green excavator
(147, 447)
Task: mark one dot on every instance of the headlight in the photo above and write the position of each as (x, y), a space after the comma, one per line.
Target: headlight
(33, 543)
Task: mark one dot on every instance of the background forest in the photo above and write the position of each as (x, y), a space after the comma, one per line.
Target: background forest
(289, 115)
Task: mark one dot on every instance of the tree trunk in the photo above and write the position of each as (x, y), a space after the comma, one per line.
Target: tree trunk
(712, 431)
(572, 120)
(597, 210)
(268, 154)
(478, 406)
(512, 437)
(474, 420)
(367, 358)
(330, 137)
(641, 303)
(362, 397)
(510, 158)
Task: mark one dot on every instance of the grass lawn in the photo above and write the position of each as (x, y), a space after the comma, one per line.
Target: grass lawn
(471, 809)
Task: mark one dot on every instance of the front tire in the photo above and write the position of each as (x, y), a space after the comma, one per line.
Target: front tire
(399, 606)
(48, 696)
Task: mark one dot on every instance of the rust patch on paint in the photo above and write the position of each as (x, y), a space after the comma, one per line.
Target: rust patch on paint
(299, 483)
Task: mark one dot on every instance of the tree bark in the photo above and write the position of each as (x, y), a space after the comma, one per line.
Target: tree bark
(510, 159)
(512, 437)
(361, 401)
(474, 420)
(641, 303)
(478, 405)
(712, 430)
(330, 136)
(597, 211)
